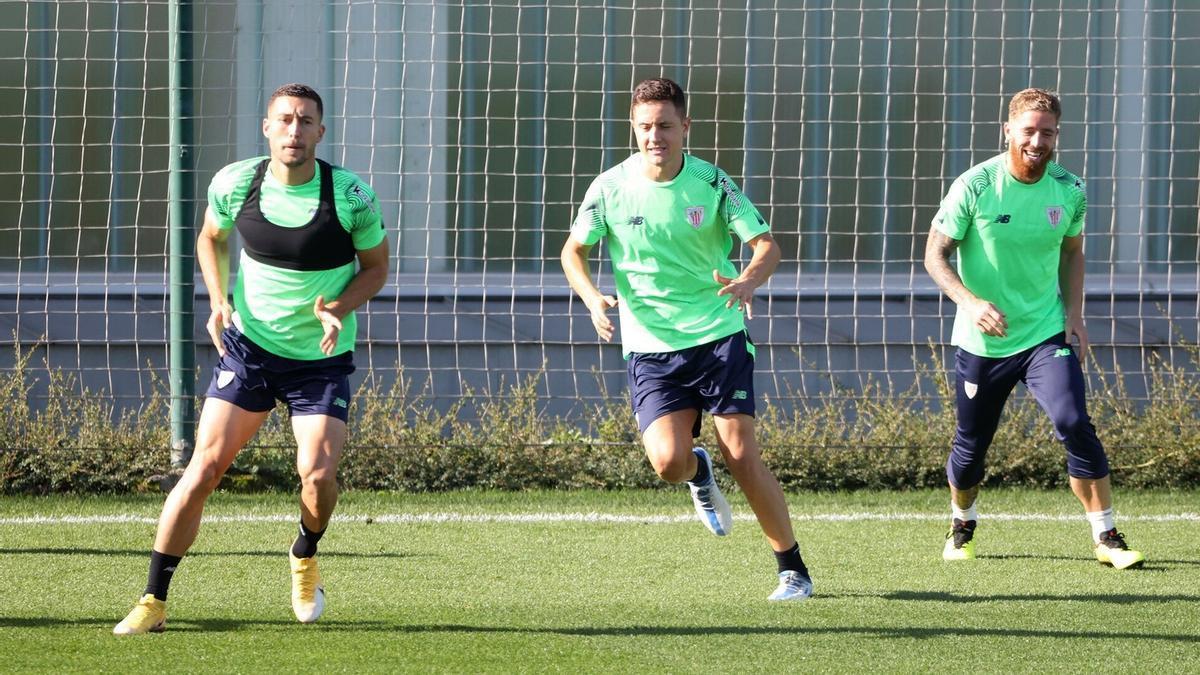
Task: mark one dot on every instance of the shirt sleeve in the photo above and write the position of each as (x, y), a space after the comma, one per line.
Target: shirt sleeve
(739, 213)
(220, 197)
(366, 221)
(591, 223)
(1079, 213)
(956, 213)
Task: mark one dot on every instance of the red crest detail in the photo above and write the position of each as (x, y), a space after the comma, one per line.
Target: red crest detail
(1054, 214)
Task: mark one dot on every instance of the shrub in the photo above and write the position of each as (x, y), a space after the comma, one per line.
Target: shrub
(75, 441)
(871, 437)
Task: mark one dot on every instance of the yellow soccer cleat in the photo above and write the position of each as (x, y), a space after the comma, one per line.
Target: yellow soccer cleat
(308, 595)
(1112, 550)
(149, 615)
(960, 541)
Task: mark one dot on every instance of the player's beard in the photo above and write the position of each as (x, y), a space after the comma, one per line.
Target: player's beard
(293, 161)
(1022, 168)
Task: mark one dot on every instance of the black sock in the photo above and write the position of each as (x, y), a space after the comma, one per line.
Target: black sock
(162, 568)
(305, 545)
(702, 472)
(791, 560)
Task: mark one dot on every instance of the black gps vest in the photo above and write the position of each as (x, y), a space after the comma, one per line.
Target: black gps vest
(322, 244)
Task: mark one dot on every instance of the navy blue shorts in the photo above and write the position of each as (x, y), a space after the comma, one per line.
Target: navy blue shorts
(717, 377)
(1052, 374)
(252, 378)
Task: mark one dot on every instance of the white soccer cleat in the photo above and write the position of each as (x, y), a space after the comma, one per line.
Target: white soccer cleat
(308, 595)
(793, 587)
(710, 504)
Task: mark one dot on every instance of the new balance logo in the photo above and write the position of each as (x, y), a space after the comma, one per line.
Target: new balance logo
(636, 221)
(339, 402)
(1003, 218)
(1065, 351)
(735, 197)
(739, 395)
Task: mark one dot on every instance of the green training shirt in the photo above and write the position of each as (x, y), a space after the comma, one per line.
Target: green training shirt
(665, 239)
(1011, 236)
(273, 306)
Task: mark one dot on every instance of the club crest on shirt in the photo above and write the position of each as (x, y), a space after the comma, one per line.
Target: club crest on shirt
(1054, 214)
(695, 215)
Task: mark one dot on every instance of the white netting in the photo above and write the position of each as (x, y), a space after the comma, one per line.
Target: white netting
(481, 124)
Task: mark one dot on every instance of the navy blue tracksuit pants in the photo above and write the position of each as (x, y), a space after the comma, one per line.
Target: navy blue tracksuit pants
(1052, 373)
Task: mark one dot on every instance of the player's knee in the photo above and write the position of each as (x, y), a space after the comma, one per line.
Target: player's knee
(1071, 423)
(672, 471)
(318, 476)
(1087, 460)
(747, 463)
(964, 471)
(739, 447)
(1088, 468)
(201, 479)
(964, 479)
(671, 467)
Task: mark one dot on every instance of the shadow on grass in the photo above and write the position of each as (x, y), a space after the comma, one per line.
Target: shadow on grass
(1153, 563)
(1114, 598)
(200, 625)
(335, 626)
(145, 553)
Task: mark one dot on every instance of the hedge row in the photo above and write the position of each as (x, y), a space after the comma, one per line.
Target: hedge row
(868, 438)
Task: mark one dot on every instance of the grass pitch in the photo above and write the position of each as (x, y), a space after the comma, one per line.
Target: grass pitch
(468, 582)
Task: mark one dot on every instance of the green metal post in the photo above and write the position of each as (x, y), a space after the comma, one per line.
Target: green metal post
(182, 348)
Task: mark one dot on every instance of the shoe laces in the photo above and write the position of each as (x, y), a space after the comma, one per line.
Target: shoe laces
(306, 582)
(1114, 539)
(792, 579)
(962, 532)
(142, 612)
(704, 495)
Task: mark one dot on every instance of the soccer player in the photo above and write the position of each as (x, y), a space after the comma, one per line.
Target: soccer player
(314, 249)
(668, 218)
(1016, 222)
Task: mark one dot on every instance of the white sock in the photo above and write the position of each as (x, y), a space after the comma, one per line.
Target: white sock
(964, 514)
(1102, 521)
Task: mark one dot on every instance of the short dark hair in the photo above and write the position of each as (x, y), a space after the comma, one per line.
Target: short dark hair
(1035, 99)
(296, 90)
(659, 89)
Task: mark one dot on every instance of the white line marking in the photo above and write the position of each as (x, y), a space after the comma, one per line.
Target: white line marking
(577, 517)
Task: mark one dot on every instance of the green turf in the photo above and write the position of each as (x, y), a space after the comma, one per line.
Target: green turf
(468, 597)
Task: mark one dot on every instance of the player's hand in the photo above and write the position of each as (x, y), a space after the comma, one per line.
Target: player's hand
(330, 323)
(740, 292)
(1075, 327)
(598, 308)
(221, 317)
(988, 318)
